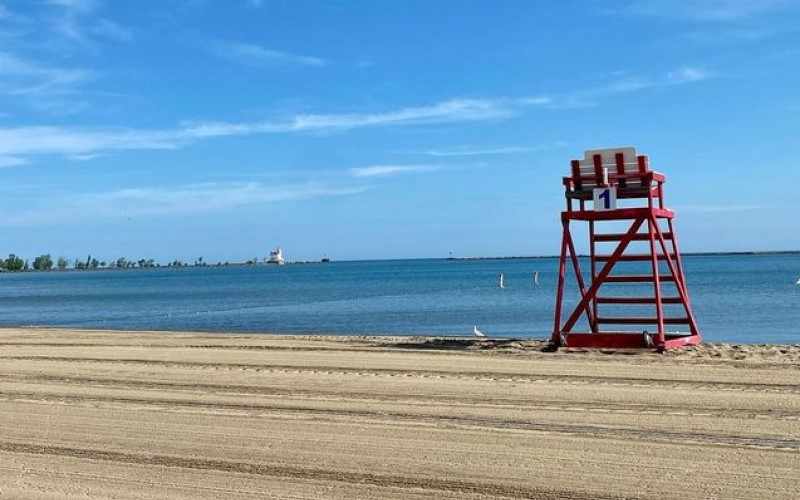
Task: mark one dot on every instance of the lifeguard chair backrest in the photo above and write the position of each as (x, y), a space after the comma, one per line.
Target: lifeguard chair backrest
(588, 172)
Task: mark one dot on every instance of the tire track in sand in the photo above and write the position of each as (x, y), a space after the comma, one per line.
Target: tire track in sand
(452, 485)
(649, 408)
(440, 374)
(596, 431)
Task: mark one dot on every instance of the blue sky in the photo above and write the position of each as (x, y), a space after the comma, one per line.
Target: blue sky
(385, 129)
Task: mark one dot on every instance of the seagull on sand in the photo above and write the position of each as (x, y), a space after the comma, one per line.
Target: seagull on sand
(477, 332)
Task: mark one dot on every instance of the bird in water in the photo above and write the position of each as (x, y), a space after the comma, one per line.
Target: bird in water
(477, 332)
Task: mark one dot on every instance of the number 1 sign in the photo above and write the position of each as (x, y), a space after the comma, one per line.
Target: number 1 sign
(605, 198)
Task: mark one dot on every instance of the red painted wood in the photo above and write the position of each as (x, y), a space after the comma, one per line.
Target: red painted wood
(636, 278)
(662, 248)
(618, 236)
(576, 175)
(624, 340)
(605, 341)
(576, 266)
(619, 158)
(638, 300)
(632, 258)
(593, 269)
(644, 167)
(562, 273)
(573, 318)
(642, 321)
(681, 280)
(619, 214)
(682, 341)
(598, 169)
(660, 320)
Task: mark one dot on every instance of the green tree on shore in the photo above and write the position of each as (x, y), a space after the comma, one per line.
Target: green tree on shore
(43, 262)
(62, 263)
(14, 263)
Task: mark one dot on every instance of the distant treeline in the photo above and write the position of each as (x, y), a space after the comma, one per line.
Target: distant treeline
(45, 262)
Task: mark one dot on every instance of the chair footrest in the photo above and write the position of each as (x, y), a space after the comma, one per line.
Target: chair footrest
(638, 300)
(641, 321)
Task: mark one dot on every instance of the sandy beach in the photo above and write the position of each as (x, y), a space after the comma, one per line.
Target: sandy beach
(99, 414)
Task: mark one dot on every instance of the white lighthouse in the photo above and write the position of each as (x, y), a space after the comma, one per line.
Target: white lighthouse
(276, 257)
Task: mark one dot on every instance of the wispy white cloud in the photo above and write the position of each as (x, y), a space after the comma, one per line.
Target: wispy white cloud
(454, 110)
(719, 208)
(207, 197)
(11, 161)
(78, 22)
(83, 6)
(542, 100)
(708, 10)
(624, 83)
(26, 76)
(171, 200)
(258, 56)
(51, 84)
(687, 74)
(37, 83)
(84, 157)
(68, 19)
(72, 141)
(55, 140)
(34, 140)
(391, 170)
(108, 29)
(41, 86)
(468, 150)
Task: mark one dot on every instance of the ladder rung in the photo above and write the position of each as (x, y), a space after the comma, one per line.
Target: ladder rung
(636, 237)
(637, 278)
(638, 300)
(642, 321)
(632, 258)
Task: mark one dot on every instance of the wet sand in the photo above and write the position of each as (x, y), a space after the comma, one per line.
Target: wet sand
(198, 416)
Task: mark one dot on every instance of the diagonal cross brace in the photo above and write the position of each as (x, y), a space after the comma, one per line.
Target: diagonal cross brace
(592, 291)
(680, 280)
(579, 278)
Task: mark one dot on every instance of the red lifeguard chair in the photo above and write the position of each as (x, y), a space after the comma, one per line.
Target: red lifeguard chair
(615, 188)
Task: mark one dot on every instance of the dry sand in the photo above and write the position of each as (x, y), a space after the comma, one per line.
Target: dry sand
(193, 416)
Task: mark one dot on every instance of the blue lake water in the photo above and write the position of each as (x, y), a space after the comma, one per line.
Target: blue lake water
(736, 298)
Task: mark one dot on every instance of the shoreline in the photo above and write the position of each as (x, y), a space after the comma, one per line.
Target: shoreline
(529, 344)
(319, 262)
(683, 254)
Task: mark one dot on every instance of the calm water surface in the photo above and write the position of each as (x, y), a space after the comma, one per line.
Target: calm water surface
(751, 299)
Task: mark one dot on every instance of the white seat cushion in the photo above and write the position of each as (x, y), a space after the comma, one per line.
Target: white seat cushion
(610, 161)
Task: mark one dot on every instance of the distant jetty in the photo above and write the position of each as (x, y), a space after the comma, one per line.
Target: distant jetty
(505, 258)
(695, 254)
